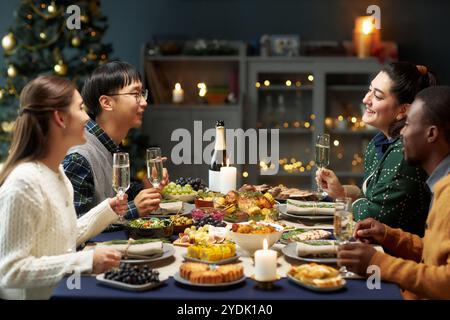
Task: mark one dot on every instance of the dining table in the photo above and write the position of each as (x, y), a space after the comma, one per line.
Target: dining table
(356, 288)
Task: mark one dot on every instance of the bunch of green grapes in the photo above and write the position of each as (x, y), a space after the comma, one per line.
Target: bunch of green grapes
(177, 190)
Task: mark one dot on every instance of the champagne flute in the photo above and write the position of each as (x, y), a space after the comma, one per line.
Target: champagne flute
(343, 225)
(322, 156)
(121, 175)
(154, 167)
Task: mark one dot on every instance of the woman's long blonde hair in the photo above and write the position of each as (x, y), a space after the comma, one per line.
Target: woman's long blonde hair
(38, 99)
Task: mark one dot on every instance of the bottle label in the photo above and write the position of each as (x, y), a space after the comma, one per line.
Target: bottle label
(220, 139)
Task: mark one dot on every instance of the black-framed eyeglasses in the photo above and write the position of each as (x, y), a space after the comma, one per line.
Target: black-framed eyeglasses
(137, 95)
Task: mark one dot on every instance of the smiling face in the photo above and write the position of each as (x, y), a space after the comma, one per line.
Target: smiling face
(414, 135)
(382, 108)
(77, 119)
(128, 111)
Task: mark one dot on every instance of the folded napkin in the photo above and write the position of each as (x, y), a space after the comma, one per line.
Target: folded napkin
(309, 207)
(145, 249)
(328, 248)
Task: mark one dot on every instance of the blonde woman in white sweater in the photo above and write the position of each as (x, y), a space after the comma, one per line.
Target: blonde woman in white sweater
(39, 231)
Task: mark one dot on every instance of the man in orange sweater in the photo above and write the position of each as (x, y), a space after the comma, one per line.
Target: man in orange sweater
(420, 266)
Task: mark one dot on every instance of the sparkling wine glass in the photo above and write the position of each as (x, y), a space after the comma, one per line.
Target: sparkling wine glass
(121, 175)
(154, 167)
(322, 156)
(343, 225)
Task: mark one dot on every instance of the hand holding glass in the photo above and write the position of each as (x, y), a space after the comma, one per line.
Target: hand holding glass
(121, 174)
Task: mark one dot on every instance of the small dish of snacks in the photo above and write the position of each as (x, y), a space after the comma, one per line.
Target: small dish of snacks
(316, 277)
(180, 223)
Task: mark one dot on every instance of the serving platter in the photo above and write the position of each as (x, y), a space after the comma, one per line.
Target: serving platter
(125, 286)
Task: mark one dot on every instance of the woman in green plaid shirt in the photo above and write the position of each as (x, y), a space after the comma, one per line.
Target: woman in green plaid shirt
(393, 192)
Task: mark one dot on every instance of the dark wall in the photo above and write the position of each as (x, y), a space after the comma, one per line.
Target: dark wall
(420, 27)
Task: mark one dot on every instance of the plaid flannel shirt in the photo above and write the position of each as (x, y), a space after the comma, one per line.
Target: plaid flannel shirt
(79, 172)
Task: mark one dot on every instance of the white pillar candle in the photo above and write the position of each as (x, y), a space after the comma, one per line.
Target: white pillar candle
(227, 179)
(265, 264)
(177, 94)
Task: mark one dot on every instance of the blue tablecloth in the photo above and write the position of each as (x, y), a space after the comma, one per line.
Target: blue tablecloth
(283, 290)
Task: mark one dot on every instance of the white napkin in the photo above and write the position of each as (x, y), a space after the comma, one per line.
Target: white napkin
(309, 207)
(304, 249)
(144, 249)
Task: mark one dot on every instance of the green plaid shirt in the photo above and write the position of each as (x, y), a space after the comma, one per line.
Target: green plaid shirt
(79, 172)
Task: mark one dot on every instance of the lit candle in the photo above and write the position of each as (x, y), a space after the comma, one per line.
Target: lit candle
(265, 264)
(366, 38)
(177, 94)
(227, 178)
(202, 89)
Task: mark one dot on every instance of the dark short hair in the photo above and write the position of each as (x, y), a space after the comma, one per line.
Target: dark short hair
(408, 79)
(107, 79)
(436, 108)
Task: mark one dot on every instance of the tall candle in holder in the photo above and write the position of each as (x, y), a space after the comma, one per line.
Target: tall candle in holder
(177, 94)
(227, 178)
(265, 264)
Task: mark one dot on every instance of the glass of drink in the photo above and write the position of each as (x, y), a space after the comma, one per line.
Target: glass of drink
(322, 156)
(154, 167)
(121, 175)
(343, 225)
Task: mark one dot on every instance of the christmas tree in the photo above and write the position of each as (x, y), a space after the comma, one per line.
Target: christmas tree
(49, 37)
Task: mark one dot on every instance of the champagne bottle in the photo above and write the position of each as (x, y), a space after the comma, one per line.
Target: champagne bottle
(219, 157)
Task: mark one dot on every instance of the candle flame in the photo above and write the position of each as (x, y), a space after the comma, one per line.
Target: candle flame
(228, 162)
(177, 86)
(265, 245)
(367, 26)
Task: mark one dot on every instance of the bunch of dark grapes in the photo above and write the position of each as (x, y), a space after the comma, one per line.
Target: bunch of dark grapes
(196, 183)
(214, 218)
(133, 274)
(209, 220)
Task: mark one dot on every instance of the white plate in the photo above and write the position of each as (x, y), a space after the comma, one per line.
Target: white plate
(179, 279)
(290, 251)
(315, 288)
(168, 251)
(223, 261)
(130, 287)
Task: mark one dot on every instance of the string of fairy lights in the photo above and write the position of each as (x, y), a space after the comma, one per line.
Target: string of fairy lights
(340, 123)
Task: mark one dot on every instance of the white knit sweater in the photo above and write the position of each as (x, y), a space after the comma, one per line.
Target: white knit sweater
(39, 231)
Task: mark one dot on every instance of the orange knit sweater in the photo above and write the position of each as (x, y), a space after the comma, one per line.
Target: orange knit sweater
(421, 267)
